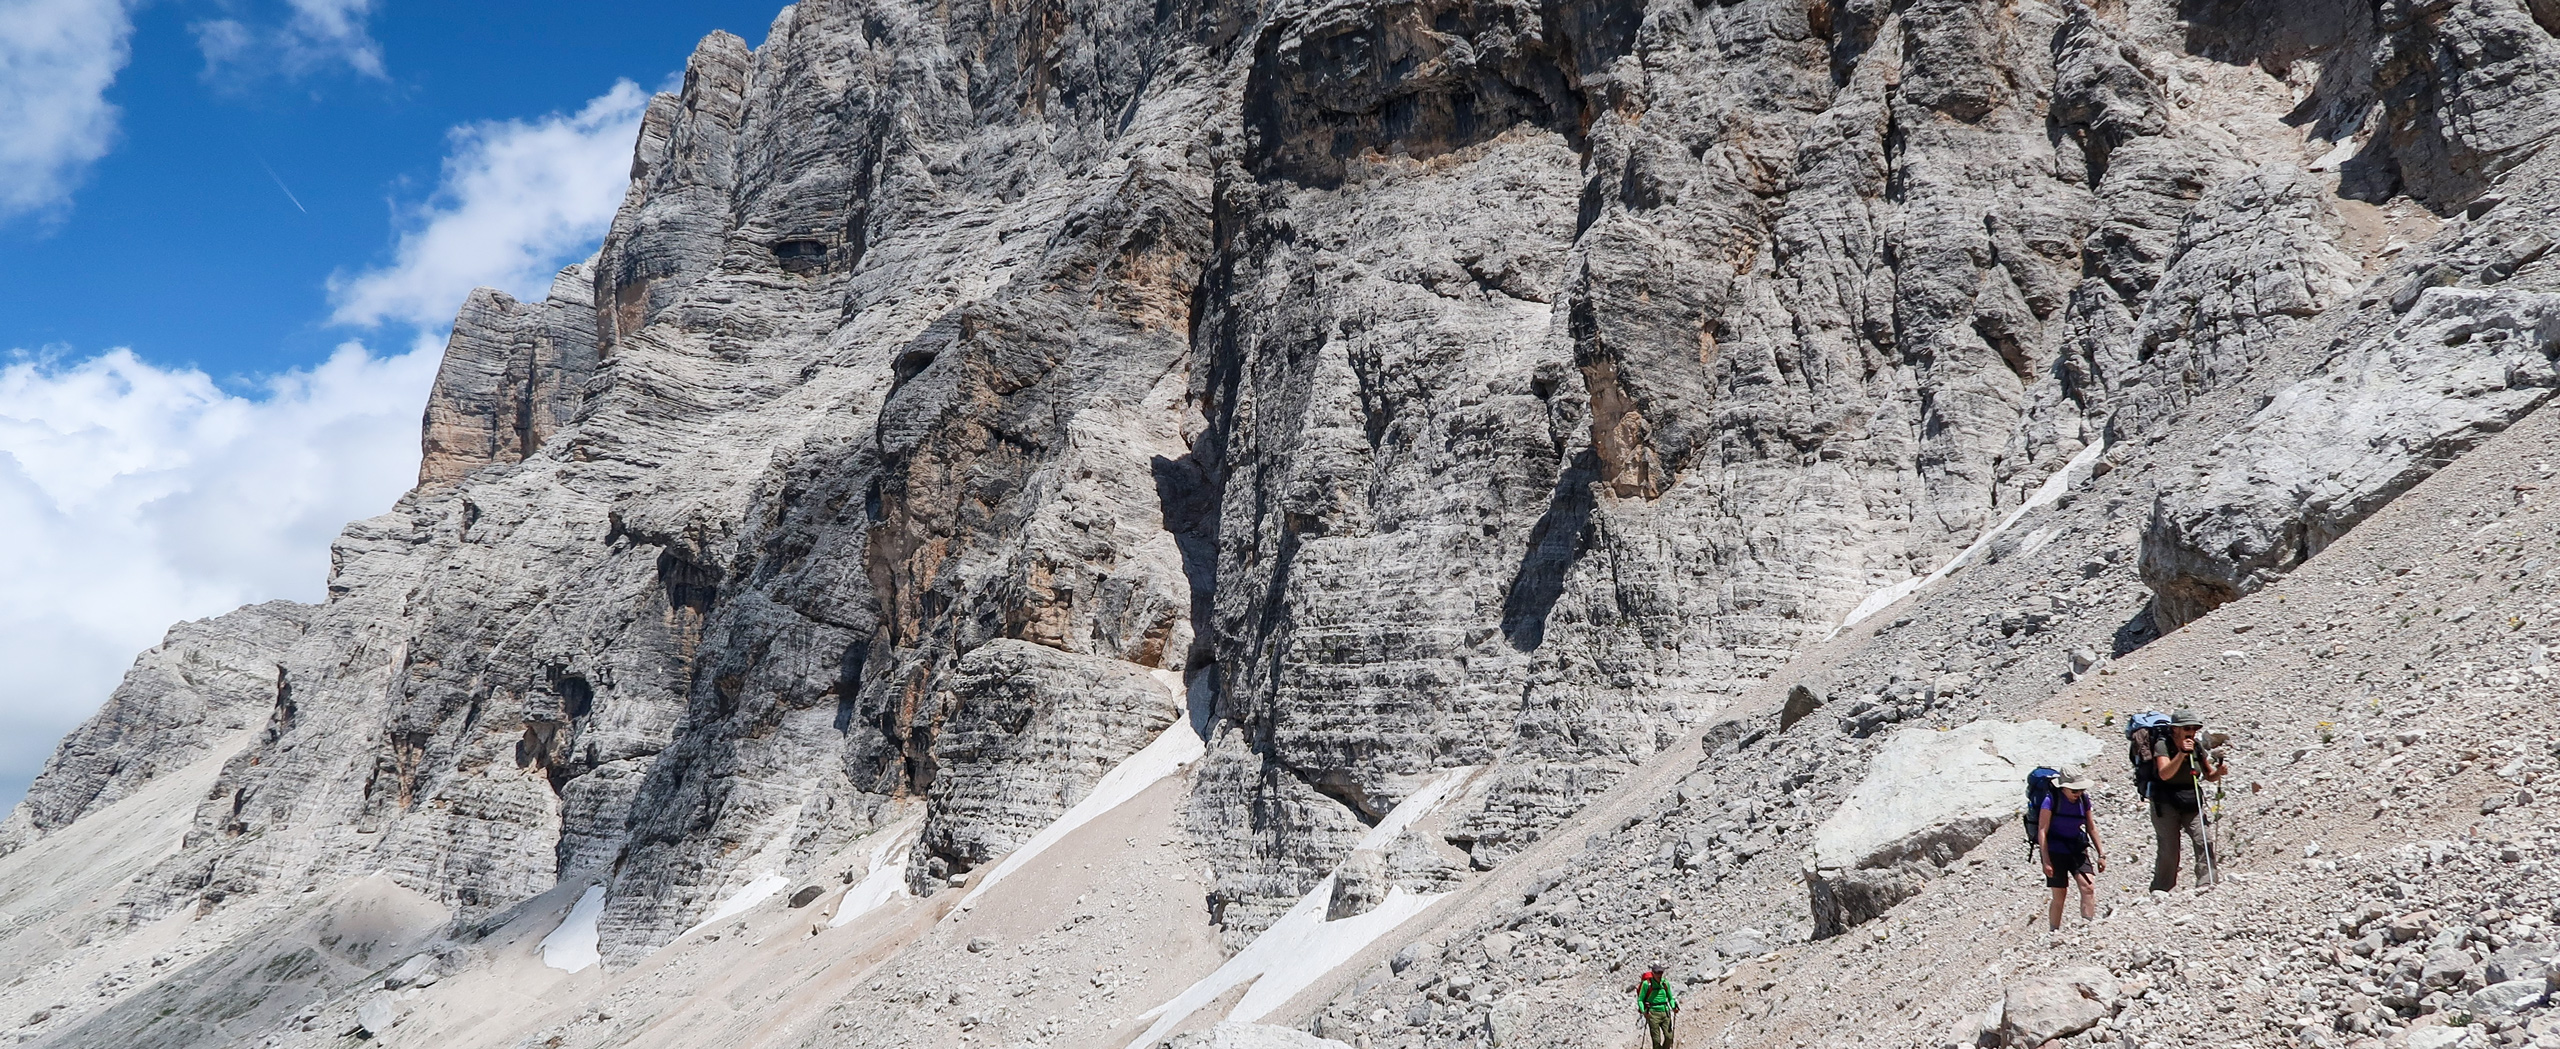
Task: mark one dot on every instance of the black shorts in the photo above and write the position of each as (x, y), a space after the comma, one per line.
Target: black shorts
(2066, 864)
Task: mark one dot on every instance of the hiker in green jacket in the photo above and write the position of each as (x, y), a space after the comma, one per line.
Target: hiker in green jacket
(1653, 996)
(2181, 766)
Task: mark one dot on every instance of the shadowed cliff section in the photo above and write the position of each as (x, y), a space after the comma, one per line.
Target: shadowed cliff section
(1334, 81)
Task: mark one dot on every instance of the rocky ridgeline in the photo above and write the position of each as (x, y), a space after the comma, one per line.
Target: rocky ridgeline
(1553, 395)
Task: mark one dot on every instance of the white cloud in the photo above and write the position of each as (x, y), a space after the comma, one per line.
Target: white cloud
(518, 200)
(317, 34)
(57, 58)
(335, 29)
(135, 497)
(225, 43)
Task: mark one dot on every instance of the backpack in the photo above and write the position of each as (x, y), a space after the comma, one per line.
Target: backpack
(2140, 730)
(1653, 995)
(2039, 787)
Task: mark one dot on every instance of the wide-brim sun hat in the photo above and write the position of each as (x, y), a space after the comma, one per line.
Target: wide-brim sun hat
(2074, 783)
(2186, 719)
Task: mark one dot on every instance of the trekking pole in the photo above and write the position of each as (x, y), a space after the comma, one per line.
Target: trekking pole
(2204, 826)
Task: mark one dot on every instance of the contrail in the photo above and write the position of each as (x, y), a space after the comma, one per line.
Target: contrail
(288, 193)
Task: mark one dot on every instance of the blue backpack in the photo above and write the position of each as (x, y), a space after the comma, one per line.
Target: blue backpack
(2140, 730)
(2039, 787)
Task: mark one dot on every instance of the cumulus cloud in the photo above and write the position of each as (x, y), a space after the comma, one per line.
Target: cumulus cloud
(135, 496)
(518, 200)
(57, 58)
(314, 35)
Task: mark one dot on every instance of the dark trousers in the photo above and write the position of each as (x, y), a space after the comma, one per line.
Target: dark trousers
(2168, 823)
(1659, 1026)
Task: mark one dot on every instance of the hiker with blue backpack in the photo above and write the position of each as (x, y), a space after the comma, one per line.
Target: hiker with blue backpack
(2170, 767)
(2068, 839)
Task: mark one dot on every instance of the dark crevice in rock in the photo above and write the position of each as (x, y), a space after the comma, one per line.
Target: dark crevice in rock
(577, 697)
(690, 585)
(281, 721)
(848, 690)
(1188, 496)
(1556, 542)
(910, 363)
(2546, 13)
(1275, 604)
(801, 255)
(1339, 785)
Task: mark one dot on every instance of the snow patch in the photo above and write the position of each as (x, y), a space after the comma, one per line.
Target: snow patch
(1176, 747)
(577, 944)
(885, 879)
(2045, 495)
(755, 892)
(1302, 946)
(2034, 541)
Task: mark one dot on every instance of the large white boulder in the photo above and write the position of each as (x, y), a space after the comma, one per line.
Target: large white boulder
(1928, 797)
(2038, 1009)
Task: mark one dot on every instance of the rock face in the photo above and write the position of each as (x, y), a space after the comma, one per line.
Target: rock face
(1928, 798)
(2327, 452)
(965, 392)
(206, 682)
(1033, 728)
(514, 373)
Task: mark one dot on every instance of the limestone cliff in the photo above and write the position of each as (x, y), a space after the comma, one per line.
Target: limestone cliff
(965, 394)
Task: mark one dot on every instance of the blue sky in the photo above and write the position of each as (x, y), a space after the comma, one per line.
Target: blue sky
(182, 243)
(232, 233)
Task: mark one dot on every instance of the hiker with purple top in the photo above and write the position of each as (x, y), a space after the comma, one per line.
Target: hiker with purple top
(2068, 840)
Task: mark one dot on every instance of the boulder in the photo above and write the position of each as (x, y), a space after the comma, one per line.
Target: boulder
(1802, 701)
(1359, 885)
(1981, 1027)
(1404, 958)
(2444, 969)
(1232, 1035)
(2508, 998)
(377, 1013)
(1740, 945)
(2038, 1009)
(1842, 898)
(2524, 961)
(418, 970)
(1928, 798)
(2444, 1038)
